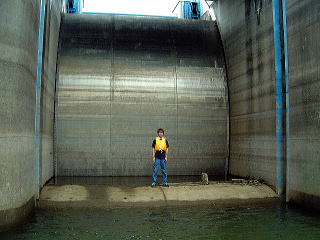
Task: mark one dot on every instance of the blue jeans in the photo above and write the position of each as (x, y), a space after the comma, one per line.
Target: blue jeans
(163, 163)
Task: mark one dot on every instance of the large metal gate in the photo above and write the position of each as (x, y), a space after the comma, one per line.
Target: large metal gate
(121, 78)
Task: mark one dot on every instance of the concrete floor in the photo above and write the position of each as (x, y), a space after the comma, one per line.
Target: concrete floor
(183, 193)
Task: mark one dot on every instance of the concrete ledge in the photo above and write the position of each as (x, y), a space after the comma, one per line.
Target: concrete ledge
(102, 196)
(12, 217)
(304, 200)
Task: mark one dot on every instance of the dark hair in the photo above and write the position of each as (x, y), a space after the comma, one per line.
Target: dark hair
(160, 130)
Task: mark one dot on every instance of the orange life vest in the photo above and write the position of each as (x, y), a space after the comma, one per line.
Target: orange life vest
(161, 144)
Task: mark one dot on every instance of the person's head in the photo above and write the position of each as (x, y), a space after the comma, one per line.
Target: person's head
(160, 132)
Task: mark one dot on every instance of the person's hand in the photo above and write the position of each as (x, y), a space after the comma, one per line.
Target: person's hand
(154, 159)
(166, 158)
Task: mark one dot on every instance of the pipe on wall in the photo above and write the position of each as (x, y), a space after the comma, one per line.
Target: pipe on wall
(287, 90)
(282, 73)
(279, 97)
(37, 135)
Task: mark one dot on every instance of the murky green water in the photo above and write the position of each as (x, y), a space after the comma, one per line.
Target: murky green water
(180, 223)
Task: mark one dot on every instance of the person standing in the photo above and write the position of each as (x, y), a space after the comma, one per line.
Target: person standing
(160, 147)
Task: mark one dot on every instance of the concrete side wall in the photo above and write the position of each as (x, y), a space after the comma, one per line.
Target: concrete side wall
(19, 29)
(304, 61)
(18, 62)
(19, 26)
(52, 28)
(249, 53)
(123, 77)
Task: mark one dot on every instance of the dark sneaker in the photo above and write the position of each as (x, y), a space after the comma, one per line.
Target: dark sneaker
(165, 185)
(153, 185)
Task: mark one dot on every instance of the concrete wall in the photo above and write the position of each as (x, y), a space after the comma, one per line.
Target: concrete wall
(51, 40)
(123, 77)
(304, 60)
(19, 28)
(249, 53)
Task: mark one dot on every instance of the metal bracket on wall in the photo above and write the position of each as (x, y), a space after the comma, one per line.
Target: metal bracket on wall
(192, 10)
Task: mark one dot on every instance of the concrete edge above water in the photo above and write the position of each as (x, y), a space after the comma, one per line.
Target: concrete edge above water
(305, 200)
(178, 194)
(12, 217)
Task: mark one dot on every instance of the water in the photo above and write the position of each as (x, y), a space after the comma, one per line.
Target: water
(234, 223)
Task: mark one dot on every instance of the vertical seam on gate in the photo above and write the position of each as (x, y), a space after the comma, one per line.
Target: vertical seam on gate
(111, 88)
(174, 49)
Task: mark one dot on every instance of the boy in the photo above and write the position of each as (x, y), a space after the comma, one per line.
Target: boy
(160, 147)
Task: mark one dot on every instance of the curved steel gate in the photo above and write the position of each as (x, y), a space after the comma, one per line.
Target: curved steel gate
(121, 78)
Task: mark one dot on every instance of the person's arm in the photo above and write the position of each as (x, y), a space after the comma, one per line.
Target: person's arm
(167, 150)
(153, 154)
(153, 150)
(167, 154)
